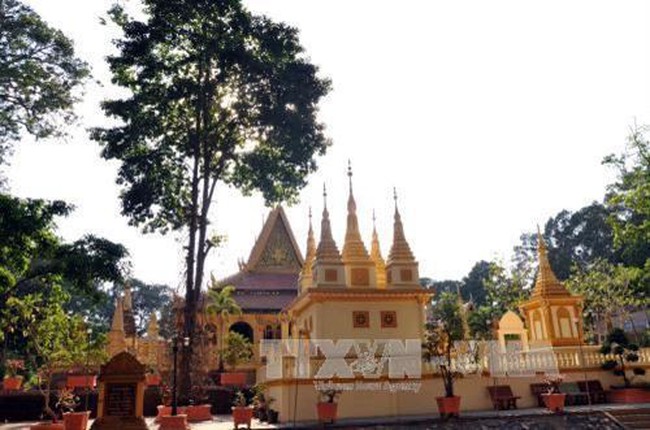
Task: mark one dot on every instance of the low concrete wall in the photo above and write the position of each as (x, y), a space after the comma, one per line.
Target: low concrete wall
(296, 400)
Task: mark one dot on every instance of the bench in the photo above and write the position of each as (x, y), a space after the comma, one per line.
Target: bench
(537, 390)
(594, 389)
(502, 397)
(574, 396)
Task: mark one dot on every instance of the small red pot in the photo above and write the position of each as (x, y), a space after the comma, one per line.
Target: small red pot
(242, 415)
(197, 413)
(76, 420)
(327, 411)
(554, 402)
(177, 422)
(448, 406)
(81, 381)
(12, 383)
(233, 378)
(153, 379)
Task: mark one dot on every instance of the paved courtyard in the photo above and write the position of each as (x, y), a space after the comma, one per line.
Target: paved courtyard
(576, 417)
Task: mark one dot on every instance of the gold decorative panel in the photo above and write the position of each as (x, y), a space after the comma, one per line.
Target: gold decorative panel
(331, 275)
(360, 277)
(406, 275)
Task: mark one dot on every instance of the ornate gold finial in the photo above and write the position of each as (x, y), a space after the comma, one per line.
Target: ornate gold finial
(307, 273)
(128, 298)
(327, 249)
(400, 250)
(375, 255)
(353, 247)
(350, 174)
(546, 283)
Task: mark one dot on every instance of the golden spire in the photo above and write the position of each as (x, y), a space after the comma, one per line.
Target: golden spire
(375, 255)
(128, 298)
(152, 327)
(353, 248)
(306, 273)
(327, 249)
(118, 316)
(546, 283)
(400, 250)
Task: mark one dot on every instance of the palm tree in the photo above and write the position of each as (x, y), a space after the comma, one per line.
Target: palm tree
(222, 304)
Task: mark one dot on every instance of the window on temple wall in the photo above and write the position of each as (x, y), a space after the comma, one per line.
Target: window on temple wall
(244, 329)
(564, 321)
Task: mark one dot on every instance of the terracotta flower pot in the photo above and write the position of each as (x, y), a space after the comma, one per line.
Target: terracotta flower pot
(81, 381)
(76, 420)
(153, 379)
(448, 406)
(177, 422)
(628, 395)
(233, 378)
(327, 411)
(199, 413)
(12, 383)
(242, 415)
(47, 426)
(554, 402)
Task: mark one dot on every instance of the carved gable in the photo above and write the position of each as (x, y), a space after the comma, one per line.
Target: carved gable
(276, 249)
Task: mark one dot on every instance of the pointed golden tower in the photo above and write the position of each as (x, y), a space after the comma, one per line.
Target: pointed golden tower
(116, 337)
(376, 257)
(553, 315)
(306, 274)
(401, 268)
(328, 269)
(360, 270)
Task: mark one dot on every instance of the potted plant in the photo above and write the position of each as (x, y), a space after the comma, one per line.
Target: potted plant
(327, 407)
(153, 377)
(12, 380)
(554, 399)
(222, 305)
(445, 328)
(56, 343)
(199, 409)
(259, 402)
(621, 353)
(67, 403)
(242, 413)
(238, 350)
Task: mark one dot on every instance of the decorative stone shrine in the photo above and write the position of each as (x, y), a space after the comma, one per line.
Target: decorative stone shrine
(121, 394)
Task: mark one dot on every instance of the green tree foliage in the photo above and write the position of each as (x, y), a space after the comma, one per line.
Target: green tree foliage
(238, 350)
(147, 299)
(473, 286)
(444, 328)
(222, 304)
(504, 290)
(624, 352)
(629, 198)
(38, 270)
(216, 94)
(608, 291)
(573, 238)
(58, 341)
(39, 76)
